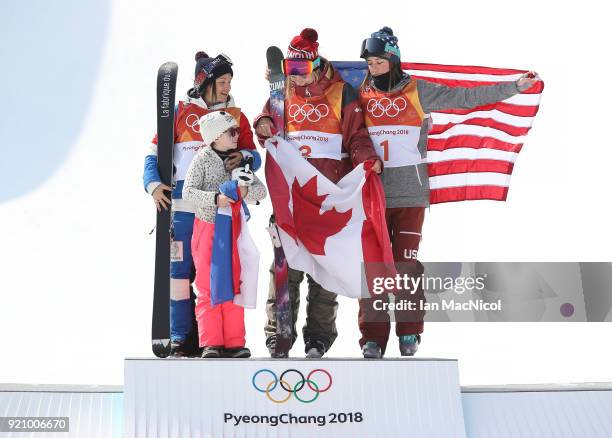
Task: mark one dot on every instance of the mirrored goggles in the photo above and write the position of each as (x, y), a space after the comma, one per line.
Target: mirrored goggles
(299, 67)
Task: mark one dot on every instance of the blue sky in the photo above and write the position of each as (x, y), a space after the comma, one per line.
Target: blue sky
(51, 54)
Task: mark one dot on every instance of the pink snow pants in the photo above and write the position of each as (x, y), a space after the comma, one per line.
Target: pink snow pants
(221, 325)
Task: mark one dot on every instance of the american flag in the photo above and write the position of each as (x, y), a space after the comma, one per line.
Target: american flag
(470, 153)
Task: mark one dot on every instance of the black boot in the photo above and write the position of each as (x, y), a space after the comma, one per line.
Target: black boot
(315, 349)
(192, 343)
(237, 353)
(178, 349)
(272, 348)
(210, 352)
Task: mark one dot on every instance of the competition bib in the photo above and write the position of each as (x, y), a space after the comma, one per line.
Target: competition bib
(396, 145)
(313, 124)
(394, 124)
(187, 138)
(182, 157)
(316, 144)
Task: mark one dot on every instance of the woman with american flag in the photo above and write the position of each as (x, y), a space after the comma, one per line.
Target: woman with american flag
(397, 111)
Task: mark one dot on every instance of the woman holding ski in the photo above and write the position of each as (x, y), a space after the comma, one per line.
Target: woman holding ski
(337, 122)
(211, 92)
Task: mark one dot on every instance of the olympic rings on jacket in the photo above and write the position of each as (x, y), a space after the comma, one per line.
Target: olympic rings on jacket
(385, 106)
(297, 387)
(308, 112)
(193, 122)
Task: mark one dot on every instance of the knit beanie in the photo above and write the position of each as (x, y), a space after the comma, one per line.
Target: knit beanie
(208, 69)
(215, 123)
(304, 45)
(386, 35)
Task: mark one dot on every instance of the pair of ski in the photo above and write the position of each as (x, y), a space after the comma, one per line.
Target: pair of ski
(166, 93)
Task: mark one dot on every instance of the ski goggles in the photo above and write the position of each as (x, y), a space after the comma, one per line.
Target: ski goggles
(207, 70)
(300, 67)
(376, 47)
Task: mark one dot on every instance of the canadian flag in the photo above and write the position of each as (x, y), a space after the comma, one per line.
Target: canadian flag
(327, 230)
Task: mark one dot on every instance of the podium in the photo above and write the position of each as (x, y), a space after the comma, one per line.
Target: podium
(294, 398)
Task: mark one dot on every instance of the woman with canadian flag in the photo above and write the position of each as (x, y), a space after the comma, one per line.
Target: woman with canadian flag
(323, 117)
(396, 110)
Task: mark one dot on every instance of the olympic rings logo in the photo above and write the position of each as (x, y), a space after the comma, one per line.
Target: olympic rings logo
(193, 122)
(292, 389)
(386, 106)
(308, 112)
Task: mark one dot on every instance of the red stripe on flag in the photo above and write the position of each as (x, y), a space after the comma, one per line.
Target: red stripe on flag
(536, 88)
(236, 229)
(468, 193)
(465, 166)
(481, 121)
(460, 69)
(471, 141)
(508, 108)
(279, 195)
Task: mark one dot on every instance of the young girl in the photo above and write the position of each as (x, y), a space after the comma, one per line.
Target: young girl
(210, 92)
(212, 188)
(391, 98)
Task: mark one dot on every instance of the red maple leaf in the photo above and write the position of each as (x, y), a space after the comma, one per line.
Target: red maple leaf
(313, 227)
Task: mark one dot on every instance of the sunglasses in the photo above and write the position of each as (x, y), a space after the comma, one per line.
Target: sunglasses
(299, 67)
(233, 131)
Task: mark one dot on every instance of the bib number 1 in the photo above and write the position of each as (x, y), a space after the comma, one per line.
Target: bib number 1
(396, 145)
(385, 147)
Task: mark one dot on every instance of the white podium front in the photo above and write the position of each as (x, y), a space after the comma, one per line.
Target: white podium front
(254, 398)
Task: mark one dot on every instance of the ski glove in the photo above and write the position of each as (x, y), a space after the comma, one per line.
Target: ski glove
(244, 177)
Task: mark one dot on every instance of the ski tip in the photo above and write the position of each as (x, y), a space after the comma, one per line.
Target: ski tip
(274, 58)
(169, 66)
(274, 49)
(161, 347)
(274, 52)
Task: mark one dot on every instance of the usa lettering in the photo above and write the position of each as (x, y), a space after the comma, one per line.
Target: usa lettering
(410, 254)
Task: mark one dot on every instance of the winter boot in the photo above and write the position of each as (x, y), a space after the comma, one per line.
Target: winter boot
(315, 349)
(371, 350)
(209, 352)
(409, 344)
(271, 344)
(237, 353)
(192, 343)
(178, 348)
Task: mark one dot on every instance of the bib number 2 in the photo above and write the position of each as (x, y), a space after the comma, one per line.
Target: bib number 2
(306, 151)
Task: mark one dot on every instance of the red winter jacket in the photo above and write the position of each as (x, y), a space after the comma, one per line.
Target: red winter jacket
(355, 138)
